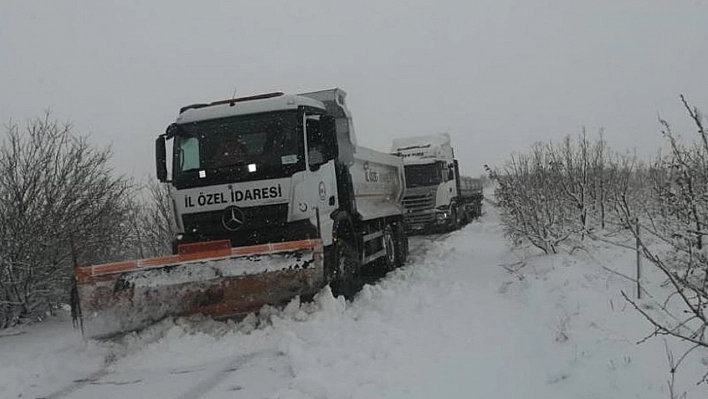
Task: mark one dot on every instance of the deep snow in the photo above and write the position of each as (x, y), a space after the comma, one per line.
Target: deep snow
(453, 323)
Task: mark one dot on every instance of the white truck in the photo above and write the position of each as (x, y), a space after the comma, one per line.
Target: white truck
(272, 198)
(437, 197)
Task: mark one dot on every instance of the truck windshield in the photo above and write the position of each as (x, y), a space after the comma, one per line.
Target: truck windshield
(253, 145)
(423, 175)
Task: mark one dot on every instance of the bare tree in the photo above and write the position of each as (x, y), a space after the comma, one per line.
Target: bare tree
(528, 193)
(571, 166)
(152, 225)
(553, 194)
(58, 196)
(681, 193)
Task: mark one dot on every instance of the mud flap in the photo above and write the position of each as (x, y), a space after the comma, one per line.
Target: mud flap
(121, 297)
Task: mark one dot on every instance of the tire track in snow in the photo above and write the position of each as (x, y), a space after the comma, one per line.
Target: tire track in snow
(198, 389)
(419, 245)
(212, 381)
(149, 335)
(78, 384)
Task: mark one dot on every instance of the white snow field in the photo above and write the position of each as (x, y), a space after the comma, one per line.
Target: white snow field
(453, 323)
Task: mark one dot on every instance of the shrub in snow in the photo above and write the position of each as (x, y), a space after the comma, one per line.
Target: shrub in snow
(59, 204)
(556, 194)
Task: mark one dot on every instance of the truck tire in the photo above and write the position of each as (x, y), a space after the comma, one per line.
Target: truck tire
(465, 215)
(347, 267)
(389, 243)
(456, 219)
(477, 209)
(401, 240)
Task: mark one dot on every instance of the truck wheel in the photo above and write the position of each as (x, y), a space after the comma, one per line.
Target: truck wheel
(389, 243)
(456, 220)
(477, 210)
(346, 269)
(401, 241)
(465, 218)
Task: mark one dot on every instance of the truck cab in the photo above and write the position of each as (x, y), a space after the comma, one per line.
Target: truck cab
(243, 170)
(431, 182)
(277, 168)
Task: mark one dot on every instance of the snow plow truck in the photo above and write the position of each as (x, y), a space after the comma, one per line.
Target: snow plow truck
(272, 199)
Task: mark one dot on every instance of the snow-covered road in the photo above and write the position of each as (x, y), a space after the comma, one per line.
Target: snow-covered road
(438, 328)
(453, 323)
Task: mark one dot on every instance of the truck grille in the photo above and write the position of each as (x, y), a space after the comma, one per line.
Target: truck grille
(420, 218)
(262, 224)
(419, 204)
(417, 200)
(256, 217)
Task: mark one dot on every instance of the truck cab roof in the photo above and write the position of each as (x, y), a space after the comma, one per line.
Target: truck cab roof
(331, 101)
(245, 106)
(423, 149)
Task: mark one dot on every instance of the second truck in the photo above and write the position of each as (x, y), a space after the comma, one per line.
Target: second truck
(437, 197)
(272, 198)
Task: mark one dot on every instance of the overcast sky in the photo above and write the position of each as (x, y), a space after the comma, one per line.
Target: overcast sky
(497, 75)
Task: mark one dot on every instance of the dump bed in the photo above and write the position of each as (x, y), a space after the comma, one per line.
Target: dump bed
(470, 187)
(378, 180)
(378, 177)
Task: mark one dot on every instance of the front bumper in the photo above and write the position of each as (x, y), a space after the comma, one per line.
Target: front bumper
(262, 224)
(428, 219)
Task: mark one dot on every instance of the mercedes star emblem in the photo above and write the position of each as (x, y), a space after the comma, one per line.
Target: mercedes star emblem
(232, 219)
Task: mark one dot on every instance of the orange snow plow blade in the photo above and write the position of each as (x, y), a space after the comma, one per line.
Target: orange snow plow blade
(211, 278)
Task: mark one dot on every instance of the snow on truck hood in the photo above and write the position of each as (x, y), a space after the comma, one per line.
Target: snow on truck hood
(280, 103)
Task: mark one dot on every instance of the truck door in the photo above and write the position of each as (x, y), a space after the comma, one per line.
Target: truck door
(456, 171)
(321, 173)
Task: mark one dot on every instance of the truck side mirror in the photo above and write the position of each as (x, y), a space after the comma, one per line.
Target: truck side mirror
(161, 159)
